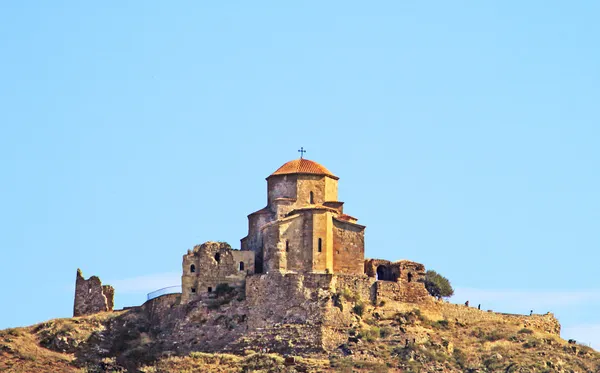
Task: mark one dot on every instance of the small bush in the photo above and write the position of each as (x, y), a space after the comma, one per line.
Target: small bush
(337, 302)
(441, 324)
(460, 358)
(359, 309)
(525, 331)
(531, 343)
(386, 331)
(494, 336)
(223, 289)
(349, 296)
(371, 334)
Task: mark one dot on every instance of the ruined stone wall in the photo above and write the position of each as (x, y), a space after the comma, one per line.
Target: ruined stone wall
(403, 270)
(160, 308)
(411, 271)
(109, 293)
(91, 296)
(438, 310)
(214, 263)
(408, 292)
(348, 248)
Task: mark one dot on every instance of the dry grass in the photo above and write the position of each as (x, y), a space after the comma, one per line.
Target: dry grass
(226, 363)
(20, 353)
(435, 344)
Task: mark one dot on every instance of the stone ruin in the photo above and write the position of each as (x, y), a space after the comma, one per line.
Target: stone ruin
(91, 296)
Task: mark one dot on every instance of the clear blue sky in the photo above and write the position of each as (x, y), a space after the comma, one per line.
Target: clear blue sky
(465, 135)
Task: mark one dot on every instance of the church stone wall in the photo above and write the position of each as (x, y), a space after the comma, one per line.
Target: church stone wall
(308, 184)
(281, 186)
(331, 189)
(91, 296)
(295, 245)
(322, 241)
(348, 248)
(254, 240)
(273, 258)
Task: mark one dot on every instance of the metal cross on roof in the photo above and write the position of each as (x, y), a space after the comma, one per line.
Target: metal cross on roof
(301, 151)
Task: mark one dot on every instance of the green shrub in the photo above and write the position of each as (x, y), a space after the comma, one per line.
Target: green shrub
(494, 336)
(223, 289)
(337, 301)
(441, 324)
(349, 296)
(525, 331)
(386, 331)
(531, 343)
(359, 309)
(460, 358)
(371, 334)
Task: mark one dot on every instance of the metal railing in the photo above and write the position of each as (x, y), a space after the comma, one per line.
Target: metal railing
(163, 291)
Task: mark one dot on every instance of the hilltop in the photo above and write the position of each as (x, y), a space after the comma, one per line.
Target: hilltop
(390, 337)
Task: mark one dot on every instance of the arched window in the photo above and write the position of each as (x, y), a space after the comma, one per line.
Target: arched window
(218, 257)
(192, 268)
(311, 198)
(287, 246)
(193, 290)
(241, 266)
(320, 247)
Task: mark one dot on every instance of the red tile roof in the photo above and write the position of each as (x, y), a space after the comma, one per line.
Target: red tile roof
(303, 166)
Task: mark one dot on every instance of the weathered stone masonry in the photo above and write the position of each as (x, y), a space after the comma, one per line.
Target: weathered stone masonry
(299, 275)
(303, 230)
(91, 296)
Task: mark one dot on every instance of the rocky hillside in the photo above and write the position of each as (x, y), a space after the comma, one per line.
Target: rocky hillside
(383, 338)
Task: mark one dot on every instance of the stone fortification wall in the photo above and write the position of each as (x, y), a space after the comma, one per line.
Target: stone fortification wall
(161, 308)
(309, 298)
(91, 296)
(408, 292)
(291, 298)
(438, 310)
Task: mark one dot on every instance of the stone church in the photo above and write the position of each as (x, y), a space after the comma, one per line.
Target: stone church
(302, 229)
(298, 284)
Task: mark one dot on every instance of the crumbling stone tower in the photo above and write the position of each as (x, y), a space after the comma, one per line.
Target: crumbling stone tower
(91, 296)
(303, 227)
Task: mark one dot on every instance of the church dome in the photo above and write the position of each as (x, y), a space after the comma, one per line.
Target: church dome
(303, 166)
